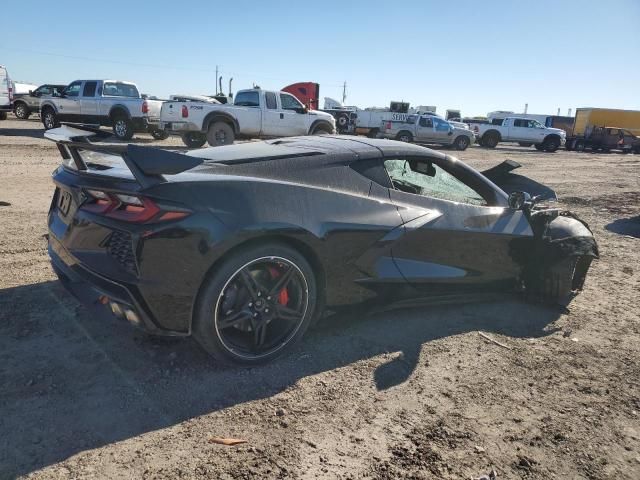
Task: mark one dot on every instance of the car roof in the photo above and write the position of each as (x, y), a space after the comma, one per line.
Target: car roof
(324, 149)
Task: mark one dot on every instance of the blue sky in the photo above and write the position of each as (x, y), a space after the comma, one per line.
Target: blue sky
(476, 56)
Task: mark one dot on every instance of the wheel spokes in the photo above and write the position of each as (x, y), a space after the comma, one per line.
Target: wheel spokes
(259, 333)
(234, 318)
(250, 283)
(288, 314)
(282, 282)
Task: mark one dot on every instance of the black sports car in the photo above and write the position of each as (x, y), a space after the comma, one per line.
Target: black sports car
(244, 245)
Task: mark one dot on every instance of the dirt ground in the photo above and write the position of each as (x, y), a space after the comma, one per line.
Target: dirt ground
(405, 394)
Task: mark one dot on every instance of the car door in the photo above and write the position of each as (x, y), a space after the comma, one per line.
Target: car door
(89, 103)
(271, 115)
(453, 239)
(293, 117)
(69, 103)
(424, 129)
(519, 130)
(442, 131)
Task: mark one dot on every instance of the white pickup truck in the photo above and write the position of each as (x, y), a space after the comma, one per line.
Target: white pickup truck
(104, 102)
(255, 113)
(525, 131)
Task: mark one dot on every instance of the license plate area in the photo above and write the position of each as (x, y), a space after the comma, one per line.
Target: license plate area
(64, 202)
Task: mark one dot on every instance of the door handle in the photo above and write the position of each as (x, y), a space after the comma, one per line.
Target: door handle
(281, 116)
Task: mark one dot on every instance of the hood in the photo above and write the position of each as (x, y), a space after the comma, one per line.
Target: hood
(559, 131)
(325, 115)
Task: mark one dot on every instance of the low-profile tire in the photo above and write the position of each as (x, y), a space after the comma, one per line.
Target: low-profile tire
(579, 145)
(525, 144)
(490, 140)
(404, 136)
(557, 281)
(158, 134)
(551, 144)
(220, 133)
(194, 139)
(49, 118)
(539, 147)
(21, 111)
(461, 143)
(122, 127)
(256, 305)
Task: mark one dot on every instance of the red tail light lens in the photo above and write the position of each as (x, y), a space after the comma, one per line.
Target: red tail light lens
(185, 111)
(145, 107)
(129, 208)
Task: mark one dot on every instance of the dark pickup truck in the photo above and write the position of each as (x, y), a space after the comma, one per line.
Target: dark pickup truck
(25, 104)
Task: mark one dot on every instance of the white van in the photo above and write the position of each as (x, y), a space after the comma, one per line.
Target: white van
(6, 93)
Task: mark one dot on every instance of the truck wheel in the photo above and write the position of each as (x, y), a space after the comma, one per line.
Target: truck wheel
(342, 122)
(551, 144)
(539, 147)
(373, 133)
(159, 134)
(220, 133)
(578, 145)
(461, 143)
(49, 119)
(21, 110)
(405, 136)
(122, 128)
(490, 140)
(194, 139)
(525, 144)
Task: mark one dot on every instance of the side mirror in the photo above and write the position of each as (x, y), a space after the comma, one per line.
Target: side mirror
(32, 93)
(302, 110)
(517, 200)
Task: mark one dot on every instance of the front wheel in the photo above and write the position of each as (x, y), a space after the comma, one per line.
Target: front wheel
(551, 144)
(158, 134)
(123, 128)
(220, 133)
(539, 147)
(21, 111)
(462, 142)
(256, 305)
(194, 139)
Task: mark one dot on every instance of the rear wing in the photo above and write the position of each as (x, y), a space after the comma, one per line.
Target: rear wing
(147, 164)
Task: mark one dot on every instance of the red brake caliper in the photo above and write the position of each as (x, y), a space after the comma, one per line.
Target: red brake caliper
(283, 296)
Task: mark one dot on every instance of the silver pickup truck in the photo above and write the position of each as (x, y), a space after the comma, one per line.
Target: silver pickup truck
(104, 102)
(428, 128)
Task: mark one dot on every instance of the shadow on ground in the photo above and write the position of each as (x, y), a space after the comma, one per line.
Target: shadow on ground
(74, 378)
(625, 226)
(21, 132)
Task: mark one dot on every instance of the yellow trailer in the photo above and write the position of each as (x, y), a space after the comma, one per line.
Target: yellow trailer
(606, 117)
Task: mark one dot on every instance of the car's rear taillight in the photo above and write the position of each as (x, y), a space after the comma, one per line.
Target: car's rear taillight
(10, 93)
(145, 107)
(129, 208)
(185, 111)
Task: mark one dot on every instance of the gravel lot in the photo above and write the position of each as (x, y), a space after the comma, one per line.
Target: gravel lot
(405, 394)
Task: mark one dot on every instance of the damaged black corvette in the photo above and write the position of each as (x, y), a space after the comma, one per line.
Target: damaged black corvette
(244, 245)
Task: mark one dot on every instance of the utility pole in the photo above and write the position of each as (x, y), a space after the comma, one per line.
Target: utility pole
(344, 92)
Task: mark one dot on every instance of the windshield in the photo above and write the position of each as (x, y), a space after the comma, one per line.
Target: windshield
(113, 89)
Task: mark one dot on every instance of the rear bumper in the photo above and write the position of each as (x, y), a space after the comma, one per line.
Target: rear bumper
(178, 127)
(72, 273)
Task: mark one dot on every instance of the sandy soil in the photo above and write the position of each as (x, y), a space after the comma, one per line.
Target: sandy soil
(406, 394)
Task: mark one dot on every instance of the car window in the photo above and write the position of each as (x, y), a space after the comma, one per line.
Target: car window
(289, 102)
(426, 122)
(270, 100)
(535, 124)
(89, 89)
(247, 99)
(114, 89)
(44, 90)
(441, 184)
(441, 125)
(73, 90)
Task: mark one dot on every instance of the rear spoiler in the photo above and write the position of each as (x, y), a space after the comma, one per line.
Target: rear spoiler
(509, 182)
(498, 172)
(147, 164)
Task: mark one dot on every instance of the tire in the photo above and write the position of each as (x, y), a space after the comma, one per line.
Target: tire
(539, 147)
(404, 136)
(258, 333)
(159, 134)
(579, 145)
(122, 127)
(21, 110)
(220, 133)
(49, 118)
(322, 130)
(490, 140)
(342, 122)
(525, 144)
(373, 133)
(461, 143)
(194, 139)
(551, 144)
(557, 281)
